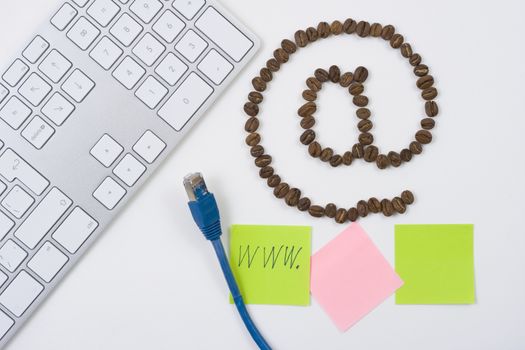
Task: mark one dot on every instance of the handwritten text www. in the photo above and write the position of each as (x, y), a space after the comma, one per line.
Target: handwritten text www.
(269, 257)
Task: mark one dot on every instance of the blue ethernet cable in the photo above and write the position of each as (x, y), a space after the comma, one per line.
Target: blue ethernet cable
(205, 212)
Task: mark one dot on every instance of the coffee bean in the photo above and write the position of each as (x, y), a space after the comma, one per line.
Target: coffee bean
(334, 73)
(406, 50)
(326, 154)
(399, 205)
(382, 161)
(358, 151)
(253, 139)
(323, 29)
(316, 211)
(307, 122)
(329, 210)
(263, 160)
(313, 84)
(304, 204)
(257, 151)
(307, 109)
(421, 70)
(363, 113)
(266, 172)
(394, 158)
(387, 32)
(428, 123)
(314, 149)
(251, 109)
(307, 137)
(312, 34)
(336, 27)
(365, 125)
(375, 30)
(423, 137)
(360, 100)
(431, 108)
(425, 82)
(407, 197)
(281, 190)
(348, 158)
(406, 155)
(321, 75)
(374, 206)
(273, 180)
(273, 65)
(288, 46)
(429, 94)
(346, 79)
(387, 208)
(255, 97)
(309, 95)
(415, 59)
(252, 124)
(363, 29)
(366, 138)
(259, 84)
(300, 38)
(352, 214)
(266, 74)
(340, 215)
(349, 26)
(371, 153)
(336, 160)
(292, 197)
(360, 74)
(362, 208)
(356, 88)
(396, 41)
(415, 147)
(281, 56)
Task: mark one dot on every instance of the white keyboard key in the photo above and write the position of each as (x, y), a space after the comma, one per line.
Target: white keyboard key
(17, 202)
(15, 72)
(185, 102)
(34, 89)
(151, 92)
(21, 293)
(106, 150)
(3, 278)
(215, 67)
(126, 29)
(5, 322)
(109, 193)
(75, 229)
(224, 34)
(171, 69)
(81, 3)
(103, 11)
(129, 72)
(15, 112)
(146, 9)
(12, 166)
(47, 262)
(83, 33)
(129, 170)
(38, 132)
(168, 26)
(55, 66)
(35, 49)
(64, 16)
(11, 255)
(149, 147)
(191, 45)
(78, 86)
(106, 53)
(148, 49)
(6, 224)
(46, 214)
(3, 93)
(58, 109)
(188, 8)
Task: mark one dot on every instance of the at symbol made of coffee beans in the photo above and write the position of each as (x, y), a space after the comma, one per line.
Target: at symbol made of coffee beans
(364, 148)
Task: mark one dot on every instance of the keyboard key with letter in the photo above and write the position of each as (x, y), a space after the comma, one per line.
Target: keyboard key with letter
(171, 69)
(15, 112)
(83, 33)
(126, 29)
(151, 92)
(129, 72)
(191, 45)
(12, 166)
(35, 49)
(106, 53)
(38, 132)
(15, 73)
(168, 26)
(17, 202)
(64, 16)
(103, 11)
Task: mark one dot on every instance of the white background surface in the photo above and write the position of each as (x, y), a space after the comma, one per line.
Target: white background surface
(152, 281)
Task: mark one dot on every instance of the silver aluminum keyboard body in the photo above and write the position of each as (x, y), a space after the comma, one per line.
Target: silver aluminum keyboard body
(66, 159)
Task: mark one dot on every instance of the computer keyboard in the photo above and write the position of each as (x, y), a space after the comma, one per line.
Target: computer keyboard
(92, 104)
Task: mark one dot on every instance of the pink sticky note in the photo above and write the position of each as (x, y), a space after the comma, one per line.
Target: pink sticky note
(350, 277)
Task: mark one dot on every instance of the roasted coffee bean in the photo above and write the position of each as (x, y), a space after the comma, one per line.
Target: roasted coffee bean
(407, 197)
(263, 160)
(266, 172)
(360, 74)
(362, 208)
(365, 125)
(281, 190)
(363, 113)
(266, 74)
(360, 100)
(307, 122)
(336, 27)
(387, 208)
(375, 30)
(307, 137)
(421, 70)
(340, 215)
(352, 214)
(288, 46)
(363, 29)
(394, 158)
(255, 97)
(253, 139)
(425, 82)
(281, 56)
(326, 154)
(329, 210)
(348, 158)
(251, 109)
(424, 136)
(334, 73)
(313, 84)
(309, 95)
(336, 160)
(387, 32)
(431, 108)
(374, 206)
(396, 41)
(304, 204)
(349, 26)
(358, 151)
(323, 29)
(316, 211)
(273, 180)
(429, 94)
(257, 151)
(314, 149)
(252, 124)
(382, 161)
(366, 138)
(415, 147)
(406, 50)
(406, 155)
(356, 88)
(371, 153)
(300, 38)
(321, 75)
(415, 59)
(346, 79)
(259, 84)
(312, 34)
(428, 123)
(292, 197)
(307, 109)
(399, 205)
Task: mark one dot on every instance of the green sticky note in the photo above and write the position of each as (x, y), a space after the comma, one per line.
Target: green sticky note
(436, 262)
(272, 263)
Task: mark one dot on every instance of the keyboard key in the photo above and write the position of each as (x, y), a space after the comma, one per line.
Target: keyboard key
(75, 229)
(81, 3)
(171, 69)
(185, 102)
(146, 9)
(11, 255)
(224, 34)
(64, 16)
(6, 224)
(15, 73)
(126, 29)
(5, 321)
(149, 147)
(191, 45)
(78, 86)
(106, 53)
(15, 112)
(151, 92)
(109, 193)
(21, 293)
(188, 8)
(3, 93)
(55, 66)
(83, 33)
(35, 49)
(46, 214)
(34, 89)
(106, 150)
(215, 67)
(103, 11)
(12, 166)
(129, 170)
(148, 49)
(17, 202)
(58, 109)
(129, 72)
(168, 26)
(47, 262)
(38, 132)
